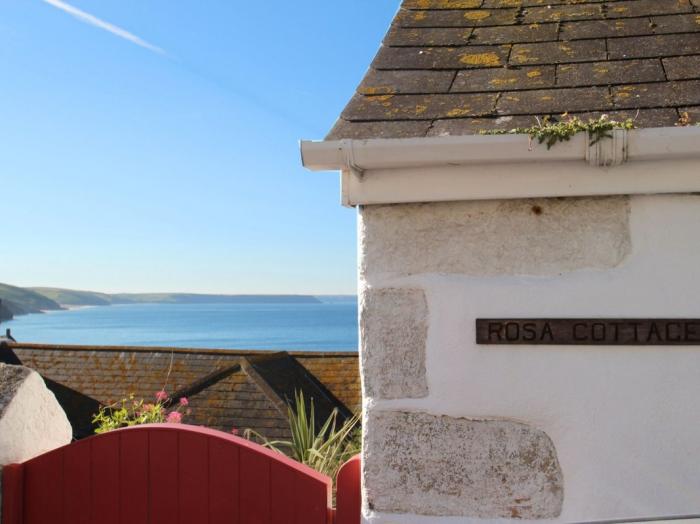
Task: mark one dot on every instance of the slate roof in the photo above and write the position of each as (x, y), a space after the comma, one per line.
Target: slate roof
(456, 67)
(226, 389)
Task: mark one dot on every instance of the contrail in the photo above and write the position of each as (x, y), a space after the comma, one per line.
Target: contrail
(94, 21)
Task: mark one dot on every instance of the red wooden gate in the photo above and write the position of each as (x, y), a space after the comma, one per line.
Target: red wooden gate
(165, 474)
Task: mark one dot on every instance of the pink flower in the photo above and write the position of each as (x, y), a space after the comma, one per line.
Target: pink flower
(174, 417)
(234, 431)
(184, 401)
(161, 395)
(148, 407)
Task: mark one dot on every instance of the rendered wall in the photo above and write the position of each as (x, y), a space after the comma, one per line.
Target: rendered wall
(456, 432)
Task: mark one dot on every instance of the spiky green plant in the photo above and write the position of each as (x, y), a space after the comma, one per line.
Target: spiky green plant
(324, 450)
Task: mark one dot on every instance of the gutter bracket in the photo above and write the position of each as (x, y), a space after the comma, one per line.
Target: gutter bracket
(347, 146)
(609, 152)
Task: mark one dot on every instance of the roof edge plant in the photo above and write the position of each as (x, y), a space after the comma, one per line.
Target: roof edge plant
(325, 449)
(550, 132)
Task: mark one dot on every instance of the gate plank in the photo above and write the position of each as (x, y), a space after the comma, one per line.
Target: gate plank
(194, 478)
(255, 490)
(224, 483)
(77, 485)
(134, 475)
(283, 492)
(12, 494)
(43, 480)
(105, 478)
(163, 481)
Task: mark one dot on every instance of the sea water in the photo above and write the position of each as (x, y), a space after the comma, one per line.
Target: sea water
(328, 325)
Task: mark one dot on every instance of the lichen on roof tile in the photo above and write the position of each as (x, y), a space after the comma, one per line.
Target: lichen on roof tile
(449, 66)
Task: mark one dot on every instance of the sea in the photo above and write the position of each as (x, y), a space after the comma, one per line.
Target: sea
(329, 325)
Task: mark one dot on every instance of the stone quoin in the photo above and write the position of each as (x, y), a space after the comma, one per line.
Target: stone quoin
(499, 279)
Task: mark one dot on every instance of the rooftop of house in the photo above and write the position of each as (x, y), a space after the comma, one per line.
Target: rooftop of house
(226, 389)
(457, 67)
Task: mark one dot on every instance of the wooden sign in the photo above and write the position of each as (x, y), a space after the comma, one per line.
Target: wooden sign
(589, 331)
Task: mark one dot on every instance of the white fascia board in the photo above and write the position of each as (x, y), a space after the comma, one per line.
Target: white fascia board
(475, 167)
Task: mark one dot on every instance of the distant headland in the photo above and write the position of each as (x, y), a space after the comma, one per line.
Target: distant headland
(21, 301)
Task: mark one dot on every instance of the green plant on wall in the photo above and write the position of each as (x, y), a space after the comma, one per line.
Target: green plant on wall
(550, 132)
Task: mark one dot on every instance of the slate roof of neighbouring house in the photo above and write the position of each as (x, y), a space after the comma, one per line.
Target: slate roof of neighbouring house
(456, 67)
(226, 389)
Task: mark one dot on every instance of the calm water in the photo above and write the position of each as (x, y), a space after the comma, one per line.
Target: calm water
(238, 326)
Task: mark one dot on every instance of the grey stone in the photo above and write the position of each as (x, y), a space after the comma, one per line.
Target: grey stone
(394, 329)
(499, 237)
(32, 421)
(424, 464)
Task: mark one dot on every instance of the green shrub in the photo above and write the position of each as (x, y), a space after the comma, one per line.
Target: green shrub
(324, 450)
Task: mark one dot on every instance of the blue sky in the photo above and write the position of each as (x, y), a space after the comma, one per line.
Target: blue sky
(125, 168)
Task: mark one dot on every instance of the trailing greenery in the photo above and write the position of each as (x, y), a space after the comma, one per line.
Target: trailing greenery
(131, 412)
(551, 132)
(324, 450)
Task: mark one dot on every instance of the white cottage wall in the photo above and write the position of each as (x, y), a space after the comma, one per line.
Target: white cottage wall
(624, 421)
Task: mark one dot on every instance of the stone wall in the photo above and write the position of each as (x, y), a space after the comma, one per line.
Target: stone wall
(459, 431)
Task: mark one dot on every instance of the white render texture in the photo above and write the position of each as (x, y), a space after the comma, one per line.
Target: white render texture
(31, 420)
(394, 330)
(495, 237)
(624, 421)
(457, 466)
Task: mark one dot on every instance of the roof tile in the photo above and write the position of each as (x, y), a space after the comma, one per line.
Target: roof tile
(676, 23)
(551, 101)
(427, 36)
(440, 57)
(534, 3)
(498, 79)
(666, 94)
(558, 52)
(452, 18)
(636, 8)
(654, 46)
(604, 73)
(606, 28)
(419, 107)
(472, 126)
(403, 82)
(380, 129)
(560, 13)
(682, 67)
(441, 4)
(692, 112)
(514, 34)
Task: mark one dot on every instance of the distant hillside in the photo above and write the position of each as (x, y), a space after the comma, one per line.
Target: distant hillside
(70, 297)
(5, 313)
(192, 298)
(20, 301)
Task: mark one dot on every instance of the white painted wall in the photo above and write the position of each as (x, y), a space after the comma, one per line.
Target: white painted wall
(625, 421)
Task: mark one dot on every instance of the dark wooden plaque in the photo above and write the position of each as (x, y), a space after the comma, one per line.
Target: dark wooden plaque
(589, 331)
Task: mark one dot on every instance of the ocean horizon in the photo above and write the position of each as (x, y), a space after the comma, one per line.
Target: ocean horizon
(328, 325)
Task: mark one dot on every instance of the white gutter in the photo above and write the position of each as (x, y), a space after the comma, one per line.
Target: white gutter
(476, 167)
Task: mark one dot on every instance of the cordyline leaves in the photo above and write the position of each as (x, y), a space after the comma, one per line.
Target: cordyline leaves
(324, 450)
(549, 132)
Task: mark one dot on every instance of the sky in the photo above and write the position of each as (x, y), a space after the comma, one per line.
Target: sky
(152, 145)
